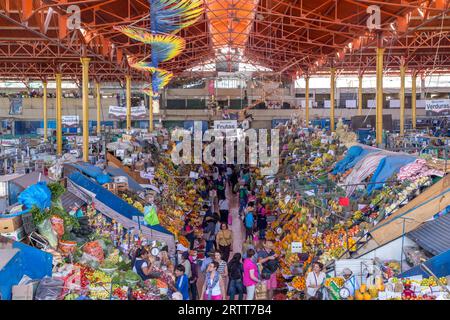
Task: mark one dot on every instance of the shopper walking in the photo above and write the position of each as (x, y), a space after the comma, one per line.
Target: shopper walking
(182, 282)
(222, 269)
(236, 273)
(224, 239)
(224, 209)
(220, 187)
(261, 222)
(243, 197)
(188, 231)
(250, 274)
(249, 222)
(269, 261)
(193, 279)
(213, 287)
(186, 264)
(209, 234)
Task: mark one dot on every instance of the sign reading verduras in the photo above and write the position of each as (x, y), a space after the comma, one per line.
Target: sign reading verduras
(120, 113)
(225, 125)
(438, 105)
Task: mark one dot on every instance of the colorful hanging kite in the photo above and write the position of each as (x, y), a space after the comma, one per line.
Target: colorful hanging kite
(166, 18)
(170, 16)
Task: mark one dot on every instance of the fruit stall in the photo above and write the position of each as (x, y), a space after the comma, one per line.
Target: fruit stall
(352, 200)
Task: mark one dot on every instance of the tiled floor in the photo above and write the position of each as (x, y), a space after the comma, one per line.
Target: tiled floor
(237, 227)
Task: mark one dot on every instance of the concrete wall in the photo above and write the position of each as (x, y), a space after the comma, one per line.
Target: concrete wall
(32, 110)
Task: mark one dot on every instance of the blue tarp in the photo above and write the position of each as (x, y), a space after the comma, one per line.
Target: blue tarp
(29, 261)
(386, 168)
(111, 200)
(93, 172)
(352, 157)
(439, 265)
(38, 195)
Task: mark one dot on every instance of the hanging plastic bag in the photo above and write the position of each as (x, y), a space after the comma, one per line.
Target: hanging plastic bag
(261, 291)
(150, 215)
(94, 249)
(50, 289)
(38, 195)
(57, 225)
(45, 229)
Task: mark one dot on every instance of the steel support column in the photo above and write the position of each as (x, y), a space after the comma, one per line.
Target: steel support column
(85, 80)
(402, 98)
(99, 107)
(128, 88)
(307, 101)
(413, 99)
(150, 114)
(58, 78)
(360, 95)
(332, 99)
(44, 102)
(379, 97)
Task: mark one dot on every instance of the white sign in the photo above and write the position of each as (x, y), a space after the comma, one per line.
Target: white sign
(120, 153)
(121, 112)
(296, 247)
(193, 175)
(371, 104)
(327, 104)
(394, 104)
(70, 121)
(421, 104)
(287, 199)
(225, 125)
(438, 105)
(350, 104)
(303, 103)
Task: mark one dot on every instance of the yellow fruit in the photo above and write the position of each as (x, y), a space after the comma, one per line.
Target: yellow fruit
(373, 292)
(367, 296)
(359, 295)
(363, 288)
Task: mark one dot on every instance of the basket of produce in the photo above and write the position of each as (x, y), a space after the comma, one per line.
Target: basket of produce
(132, 278)
(94, 249)
(67, 246)
(108, 267)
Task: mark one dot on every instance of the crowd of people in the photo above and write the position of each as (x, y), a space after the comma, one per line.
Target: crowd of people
(227, 270)
(224, 272)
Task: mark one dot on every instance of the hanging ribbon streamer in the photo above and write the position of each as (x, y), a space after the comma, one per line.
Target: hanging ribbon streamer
(167, 17)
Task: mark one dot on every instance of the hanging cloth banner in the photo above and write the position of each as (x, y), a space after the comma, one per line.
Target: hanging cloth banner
(15, 106)
(120, 113)
(211, 89)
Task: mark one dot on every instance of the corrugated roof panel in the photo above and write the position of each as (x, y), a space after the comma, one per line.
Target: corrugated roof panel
(70, 200)
(433, 236)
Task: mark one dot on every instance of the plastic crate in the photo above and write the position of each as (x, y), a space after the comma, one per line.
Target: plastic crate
(28, 223)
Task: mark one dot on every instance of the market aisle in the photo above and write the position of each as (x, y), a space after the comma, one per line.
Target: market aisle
(237, 226)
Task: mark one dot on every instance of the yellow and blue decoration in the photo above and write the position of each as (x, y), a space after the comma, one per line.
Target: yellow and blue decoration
(167, 17)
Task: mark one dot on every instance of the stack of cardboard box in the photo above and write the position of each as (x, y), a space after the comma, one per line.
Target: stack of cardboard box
(12, 227)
